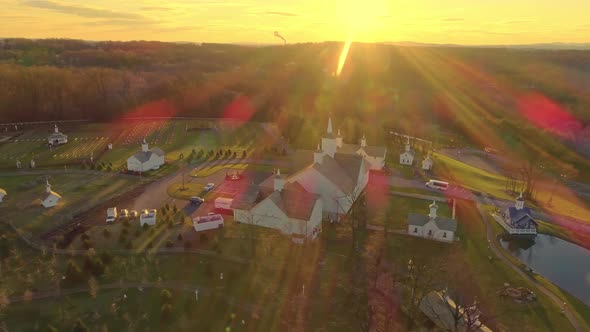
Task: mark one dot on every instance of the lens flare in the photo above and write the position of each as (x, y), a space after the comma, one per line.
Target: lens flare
(343, 56)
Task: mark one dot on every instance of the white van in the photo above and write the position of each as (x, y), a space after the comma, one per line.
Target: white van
(223, 203)
(111, 215)
(435, 184)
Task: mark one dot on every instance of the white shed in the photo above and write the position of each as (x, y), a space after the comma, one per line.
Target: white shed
(51, 198)
(146, 159)
(427, 163)
(57, 138)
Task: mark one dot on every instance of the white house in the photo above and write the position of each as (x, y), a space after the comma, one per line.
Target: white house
(2, 194)
(432, 226)
(57, 138)
(427, 162)
(146, 159)
(51, 198)
(517, 219)
(407, 157)
(286, 206)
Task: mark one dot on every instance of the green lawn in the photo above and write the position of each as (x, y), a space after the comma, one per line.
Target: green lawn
(78, 191)
(468, 176)
(190, 189)
(393, 213)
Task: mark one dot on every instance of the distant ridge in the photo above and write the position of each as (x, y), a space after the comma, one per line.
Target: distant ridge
(538, 46)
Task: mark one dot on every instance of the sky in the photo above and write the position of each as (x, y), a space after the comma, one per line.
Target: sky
(469, 22)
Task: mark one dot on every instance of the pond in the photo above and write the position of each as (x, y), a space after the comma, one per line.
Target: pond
(565, 264)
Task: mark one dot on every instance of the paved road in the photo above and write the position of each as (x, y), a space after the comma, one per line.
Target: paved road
(499, 253)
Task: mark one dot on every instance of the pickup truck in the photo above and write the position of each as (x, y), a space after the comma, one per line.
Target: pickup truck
(111, 215)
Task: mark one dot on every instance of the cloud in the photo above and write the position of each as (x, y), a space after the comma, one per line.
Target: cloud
(156, 8)
(81, 10)
(120, 22)
(452, 19)
(517, 22)
(280, 13)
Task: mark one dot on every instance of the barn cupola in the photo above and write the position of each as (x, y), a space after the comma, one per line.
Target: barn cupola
(144, 146)
(55, 129)
(408, 144)
(363, 141)
(519, 205)
(433, 208)
(318, 155)
(339, 141)
(329, 140)
(47, 186)
(279, 181)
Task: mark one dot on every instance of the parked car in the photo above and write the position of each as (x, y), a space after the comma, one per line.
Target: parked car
(133, 214)
(111, 215)
(148, 217)
(197, 200)
(124, 213)
(209, 186)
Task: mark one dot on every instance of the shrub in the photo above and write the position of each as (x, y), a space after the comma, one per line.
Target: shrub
(124, 232)
(137, 232)
(169, 244)
(203, 238)
(106, 258)
(179, 237)
(166, 312)
(86, 244)
(85, 236)
(73, 274)
(144, 227)
(166, 296)
(122, 238)
(126, 223)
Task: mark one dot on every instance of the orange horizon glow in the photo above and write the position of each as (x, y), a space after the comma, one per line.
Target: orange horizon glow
(426, 21)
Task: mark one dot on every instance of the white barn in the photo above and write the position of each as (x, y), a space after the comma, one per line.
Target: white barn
(57, 138)
(51, 198)
(146, 159)
(287, 207)
(2, 194)
(407, 157)
(432, 226)
(427, 163)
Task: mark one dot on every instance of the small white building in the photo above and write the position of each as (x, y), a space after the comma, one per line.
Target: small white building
(51, 198)
(427, 163)
(407, 157)
(148, 217)
(2, 194)
(432, 226)
(57, 138)
(146, 159)
(205, 223)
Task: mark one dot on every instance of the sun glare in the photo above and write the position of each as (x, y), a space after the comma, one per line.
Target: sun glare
(362, 16)
(343, 55)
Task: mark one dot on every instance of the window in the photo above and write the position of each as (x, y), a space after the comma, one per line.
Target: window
(415, 229)
(445, 235)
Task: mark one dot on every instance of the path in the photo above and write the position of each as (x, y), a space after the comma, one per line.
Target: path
(499, 253)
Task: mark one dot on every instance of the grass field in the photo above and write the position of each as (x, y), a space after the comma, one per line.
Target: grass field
(468, 176)
(78, 191)
(395, 214)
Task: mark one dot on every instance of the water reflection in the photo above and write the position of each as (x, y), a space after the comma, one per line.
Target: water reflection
(563, 263)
